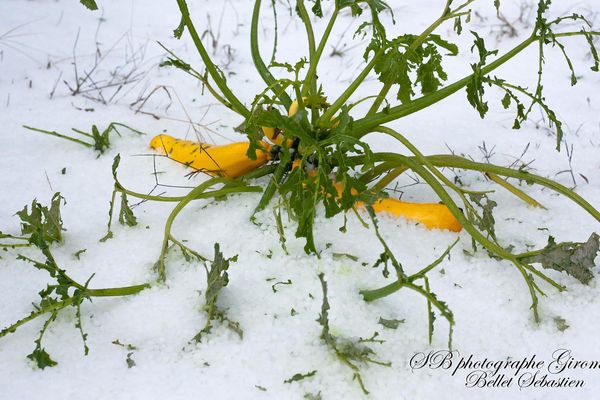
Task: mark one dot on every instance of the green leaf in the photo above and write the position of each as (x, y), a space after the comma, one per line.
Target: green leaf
(475, 88)
(299, 376)
(485, 221)
(43, 225)
(217, 278)
(178, 32)
(173, 62)
(90, 4)
(126, 216)
(390, 323)
(41, 358)
(312, 396)
(317, 9)
(593, 51)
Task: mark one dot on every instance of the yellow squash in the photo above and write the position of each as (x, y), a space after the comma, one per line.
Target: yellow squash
(231, 161)
(228, 160)
(432, 215)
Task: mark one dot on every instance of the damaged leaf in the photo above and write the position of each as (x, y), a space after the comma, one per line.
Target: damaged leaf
(575, 259)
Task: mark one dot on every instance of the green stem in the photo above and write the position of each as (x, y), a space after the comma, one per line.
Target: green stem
(473, 232)
(197, 193)
(514, 190)
(212, 69)
(14, 245)
(54, 133)
(328, 115)
(433, 300)
(271, 188)
(386, 180)
(119, 291)
(108, 292)
(174, 199)
(452, 161)
(375, 294)
(202, 78)
(262, 69)
(52, 307)
(434, 264)
(312, 71)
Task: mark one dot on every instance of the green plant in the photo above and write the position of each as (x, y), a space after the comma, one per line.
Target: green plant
(327, 139)
(100, 140)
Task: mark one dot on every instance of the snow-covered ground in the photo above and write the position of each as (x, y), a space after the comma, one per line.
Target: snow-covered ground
(45, 45)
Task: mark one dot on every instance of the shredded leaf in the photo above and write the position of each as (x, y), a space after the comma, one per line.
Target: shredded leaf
(575, 259)
(299, 376)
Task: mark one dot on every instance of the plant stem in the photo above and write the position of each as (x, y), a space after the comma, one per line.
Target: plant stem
(262, 69)
(212, 69)
(375, 294)
(326, 117)
(119, 291)
(314, 61)
(204, 79)
(452, 161)
(197, 193)
(514, 190)
(54, 133)
(107, 292)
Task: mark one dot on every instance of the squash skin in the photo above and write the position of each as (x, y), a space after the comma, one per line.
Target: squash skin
(230, 160)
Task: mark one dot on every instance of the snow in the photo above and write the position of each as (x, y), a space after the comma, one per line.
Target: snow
(489, 298)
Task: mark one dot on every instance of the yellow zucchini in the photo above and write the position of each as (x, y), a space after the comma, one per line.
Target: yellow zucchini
(228, 160)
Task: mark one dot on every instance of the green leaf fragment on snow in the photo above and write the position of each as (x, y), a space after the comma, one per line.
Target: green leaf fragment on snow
(78, 253)
(90, 4)
(41, 358)
(561, 324)
(298, 377)
(390, 323)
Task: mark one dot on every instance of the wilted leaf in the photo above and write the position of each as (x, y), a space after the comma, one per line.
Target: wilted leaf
(561, 324)
(390, 323)
(299, 376)
(576, 259)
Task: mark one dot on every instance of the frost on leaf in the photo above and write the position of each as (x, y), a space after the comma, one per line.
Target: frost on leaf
(576, 259)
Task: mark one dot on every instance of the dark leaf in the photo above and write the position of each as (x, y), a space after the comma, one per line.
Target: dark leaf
(41, 358)
(575, 259)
